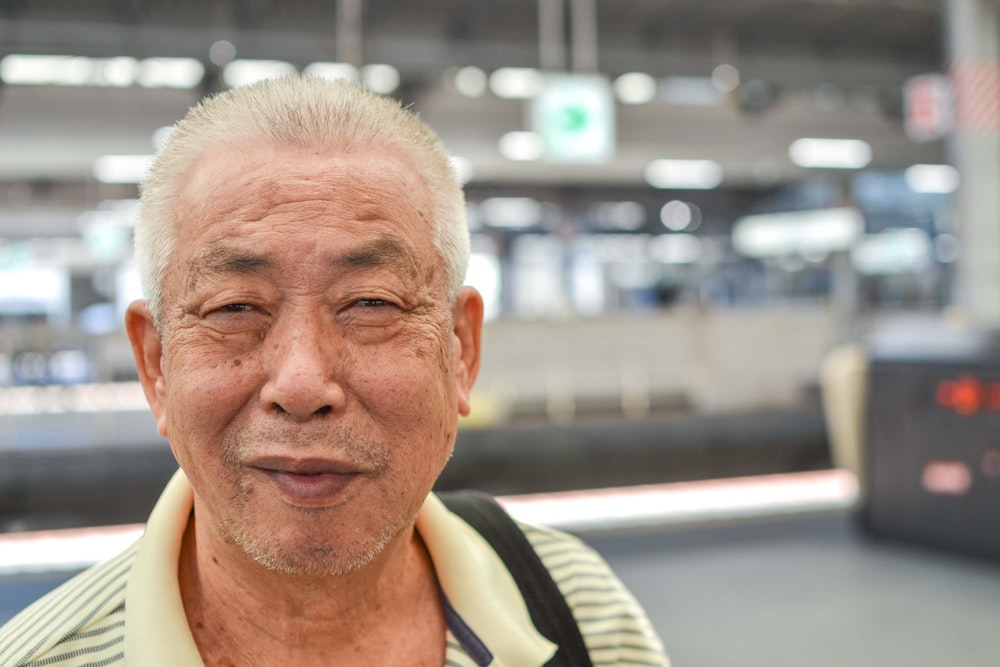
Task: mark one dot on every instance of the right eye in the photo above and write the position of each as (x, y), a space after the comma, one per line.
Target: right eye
(236, 308)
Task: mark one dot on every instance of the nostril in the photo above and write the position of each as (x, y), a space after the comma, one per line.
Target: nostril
(325, 410)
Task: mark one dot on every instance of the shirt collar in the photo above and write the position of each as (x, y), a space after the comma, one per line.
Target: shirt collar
(472, 576)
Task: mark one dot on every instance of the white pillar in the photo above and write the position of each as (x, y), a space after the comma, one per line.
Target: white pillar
(973, 43)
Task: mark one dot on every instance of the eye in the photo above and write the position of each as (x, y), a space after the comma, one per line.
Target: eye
(236, 308)
(372, 303)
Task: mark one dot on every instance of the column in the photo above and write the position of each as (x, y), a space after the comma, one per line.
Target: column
(973, 46)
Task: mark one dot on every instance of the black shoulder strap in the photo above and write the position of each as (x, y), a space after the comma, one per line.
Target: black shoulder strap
(549, 611)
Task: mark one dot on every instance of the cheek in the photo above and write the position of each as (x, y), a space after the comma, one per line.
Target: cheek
(204, 391)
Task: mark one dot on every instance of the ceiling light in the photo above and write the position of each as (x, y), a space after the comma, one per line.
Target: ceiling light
(121, 168)
(690, 174)
(635, 88)
(470, 81)
(462, 167)
(932, 178)
(680, 216)
(221, 52)
(46, 70)
(511, 212)
(516, 82)
(383, 79)
(160, 136)
(243, 72)
(522, 146)
(182, 73)
(334, 71)
(798, 232)
(830, 153)
(725, 78)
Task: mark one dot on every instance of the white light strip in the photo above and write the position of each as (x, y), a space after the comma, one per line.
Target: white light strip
(75, 398)
(63, 550)
(122, 168)
(830, 153)
(932, 178)
(689, 502)
(117, 72)
(684, 174)
(599, 509)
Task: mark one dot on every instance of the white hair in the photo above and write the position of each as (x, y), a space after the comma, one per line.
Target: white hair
(296, 111)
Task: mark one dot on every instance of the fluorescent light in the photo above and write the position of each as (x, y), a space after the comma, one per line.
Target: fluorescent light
(688, 174)
(798, 232)
(181, 73)
(243, 72)
(522, 146)
(675, 248)
(932, 178)
(635, 88)
(122, 168)
(516, 82)
(892, 251)
(511, 212)
(325, 70)
(830, 153)
(47, 70)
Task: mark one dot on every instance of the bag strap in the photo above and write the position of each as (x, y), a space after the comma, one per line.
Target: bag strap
(548, 608)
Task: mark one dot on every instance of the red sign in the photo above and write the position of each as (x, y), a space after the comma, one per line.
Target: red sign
(928, 101)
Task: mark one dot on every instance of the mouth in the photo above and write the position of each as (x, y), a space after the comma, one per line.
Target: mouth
(308, 483)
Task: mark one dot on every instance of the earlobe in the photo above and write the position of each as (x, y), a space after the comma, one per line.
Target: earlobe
(147, 348)
(467, 337)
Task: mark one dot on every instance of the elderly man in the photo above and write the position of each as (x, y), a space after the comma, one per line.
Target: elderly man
(307, 346)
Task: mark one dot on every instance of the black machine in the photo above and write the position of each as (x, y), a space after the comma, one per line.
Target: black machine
(933, 442)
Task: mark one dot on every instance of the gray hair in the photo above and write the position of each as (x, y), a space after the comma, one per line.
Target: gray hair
(296, 111)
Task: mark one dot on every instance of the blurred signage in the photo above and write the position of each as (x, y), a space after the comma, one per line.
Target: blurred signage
(575, 116)
(929, 107)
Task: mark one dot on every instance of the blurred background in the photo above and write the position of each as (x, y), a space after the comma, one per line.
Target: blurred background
(717, 240)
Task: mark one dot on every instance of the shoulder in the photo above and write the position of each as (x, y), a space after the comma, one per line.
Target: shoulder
(82, 622)
(614, 626)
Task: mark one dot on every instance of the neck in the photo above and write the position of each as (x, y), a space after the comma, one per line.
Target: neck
(242, 613)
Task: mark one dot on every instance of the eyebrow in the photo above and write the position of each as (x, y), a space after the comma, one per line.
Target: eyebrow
(221, 259)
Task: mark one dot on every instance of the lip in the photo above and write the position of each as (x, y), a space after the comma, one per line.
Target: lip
(308, 482)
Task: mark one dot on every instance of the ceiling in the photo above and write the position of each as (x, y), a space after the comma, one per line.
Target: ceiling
(826, 68)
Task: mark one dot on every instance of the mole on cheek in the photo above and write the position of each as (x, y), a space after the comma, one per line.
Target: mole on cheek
(236, 362)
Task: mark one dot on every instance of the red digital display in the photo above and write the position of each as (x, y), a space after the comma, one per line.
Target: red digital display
(968, 395)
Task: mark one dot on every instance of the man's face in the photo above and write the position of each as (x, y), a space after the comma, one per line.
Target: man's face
(310, 367)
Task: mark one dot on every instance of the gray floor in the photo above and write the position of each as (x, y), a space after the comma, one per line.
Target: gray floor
(811, 593)
(786, 593)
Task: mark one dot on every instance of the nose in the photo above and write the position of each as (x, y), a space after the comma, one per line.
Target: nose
(302, 382)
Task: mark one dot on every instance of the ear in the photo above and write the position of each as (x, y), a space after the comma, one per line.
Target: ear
(147, 348)
(467, 336)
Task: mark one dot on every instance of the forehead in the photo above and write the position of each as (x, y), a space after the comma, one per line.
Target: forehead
(300, 192)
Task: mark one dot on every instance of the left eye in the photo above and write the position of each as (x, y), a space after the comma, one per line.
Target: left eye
(371, 303)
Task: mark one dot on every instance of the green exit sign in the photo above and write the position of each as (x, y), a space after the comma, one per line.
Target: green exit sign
(575, 114)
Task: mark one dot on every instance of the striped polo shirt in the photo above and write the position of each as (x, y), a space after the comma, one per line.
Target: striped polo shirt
(128, 610)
